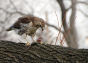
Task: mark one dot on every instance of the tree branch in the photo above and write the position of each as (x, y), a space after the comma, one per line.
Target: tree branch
(11, 52)
(54, 27)
(63, 9)
(73, 32)
(15, 12)
(85, 14)
(81, 2)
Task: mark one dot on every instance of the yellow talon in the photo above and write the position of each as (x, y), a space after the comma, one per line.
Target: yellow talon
(28, 44)
(41, 42)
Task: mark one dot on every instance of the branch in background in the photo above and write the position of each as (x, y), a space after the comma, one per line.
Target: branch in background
(71, 36)
(85, 3)
(50, 25)
(73, 32)
(29, 6)
(15, 12)
(81, 2)
(72, 17)
(83, 12)
(63, 9)
(69, 8)
(11, 2)
(59, 33)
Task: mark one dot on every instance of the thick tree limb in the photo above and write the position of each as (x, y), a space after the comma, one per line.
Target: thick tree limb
(11, 52)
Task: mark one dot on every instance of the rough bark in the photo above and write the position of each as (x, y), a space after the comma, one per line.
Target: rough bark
(11, 52)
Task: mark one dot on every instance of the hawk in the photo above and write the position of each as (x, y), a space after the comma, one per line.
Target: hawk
(27, 25)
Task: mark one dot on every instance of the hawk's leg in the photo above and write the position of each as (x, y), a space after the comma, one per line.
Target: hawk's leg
(27, 42)
(33, 37)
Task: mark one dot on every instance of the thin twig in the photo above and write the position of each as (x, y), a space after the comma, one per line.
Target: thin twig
(53, 26)
(83, 12)
(13, 5)
(18, 12)
(81, 2)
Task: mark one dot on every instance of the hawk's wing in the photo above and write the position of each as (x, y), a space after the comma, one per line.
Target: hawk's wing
(21, 21)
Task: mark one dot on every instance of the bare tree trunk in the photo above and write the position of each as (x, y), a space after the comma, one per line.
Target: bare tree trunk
(73, 32)
(70, 37)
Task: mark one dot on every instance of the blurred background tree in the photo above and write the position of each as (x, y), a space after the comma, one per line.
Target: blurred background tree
(65, 20)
